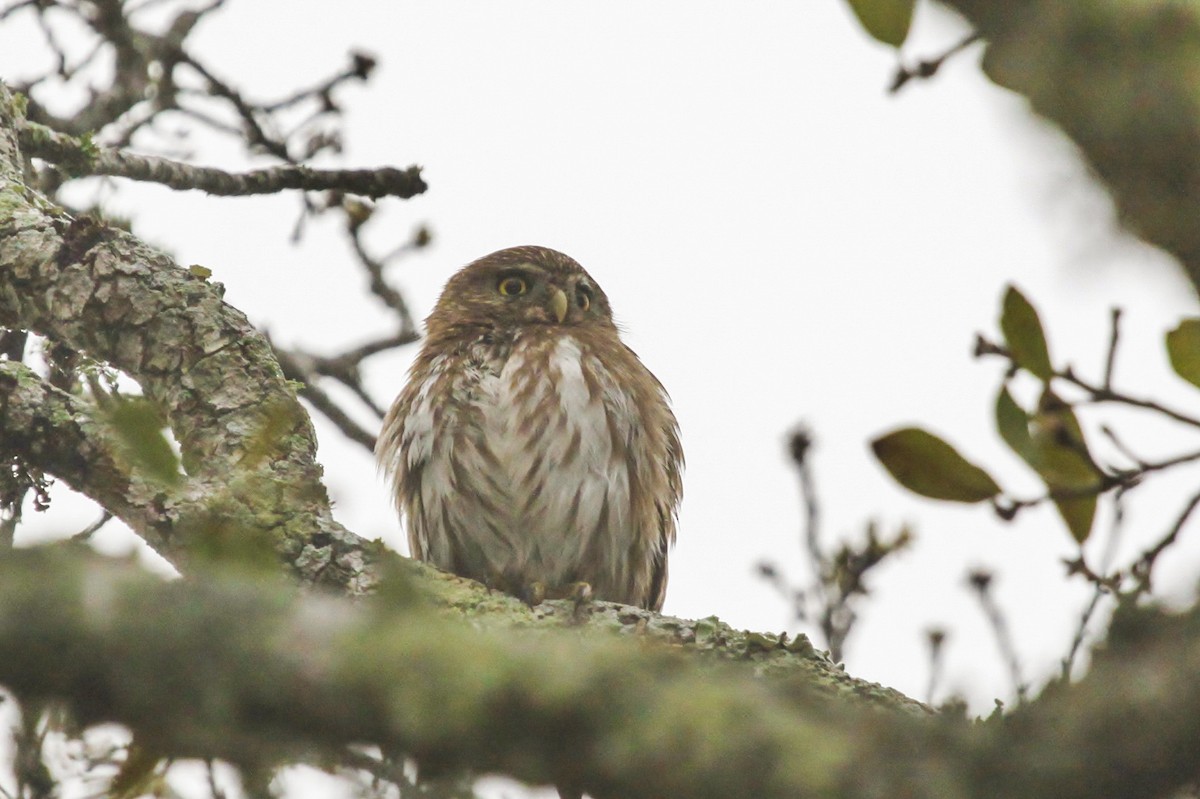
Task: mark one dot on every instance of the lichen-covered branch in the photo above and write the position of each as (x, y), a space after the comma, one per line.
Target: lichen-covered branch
(78, 158)
(42, 423)
(1121, 80)
(247, 670)
(247, 446)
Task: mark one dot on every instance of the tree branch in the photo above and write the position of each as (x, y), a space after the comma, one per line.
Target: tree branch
(79, 158)
(247, 445)
(42, 423)
(260, 673)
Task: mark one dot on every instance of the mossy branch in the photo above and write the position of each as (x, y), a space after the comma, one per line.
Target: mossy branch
(249, 670)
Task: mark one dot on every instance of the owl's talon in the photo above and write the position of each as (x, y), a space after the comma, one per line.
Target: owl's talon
(580, 593)
(534, 593)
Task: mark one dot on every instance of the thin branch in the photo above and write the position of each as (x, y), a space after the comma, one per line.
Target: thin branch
(344, 367)
(80, 158)
(935, 640)
(374, 267)
(1114, 339)
(927, 68)
(86, 533)
(1100, 588)
(294, 369)
(361, 67)
(1143, 569)
(254, 133)
(1101, 394)
(1121, 447)
(981, 582)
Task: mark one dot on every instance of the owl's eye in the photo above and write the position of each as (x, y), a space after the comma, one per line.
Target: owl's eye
(583, 297)
(512, 286)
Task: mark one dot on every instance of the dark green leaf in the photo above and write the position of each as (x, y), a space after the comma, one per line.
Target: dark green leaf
(1078, 513)
(927, 465)
(1058, 450)
(886, 20)
(1059, 453)
(1012, 422)
(1183, 348)
(138, 426)
(1023, 333)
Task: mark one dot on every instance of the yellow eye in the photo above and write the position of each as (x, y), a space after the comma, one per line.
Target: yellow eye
(512, 286)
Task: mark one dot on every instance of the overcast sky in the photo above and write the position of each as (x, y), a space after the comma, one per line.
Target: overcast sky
(781, 240)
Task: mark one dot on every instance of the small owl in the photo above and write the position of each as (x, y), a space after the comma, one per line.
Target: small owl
(530, 446)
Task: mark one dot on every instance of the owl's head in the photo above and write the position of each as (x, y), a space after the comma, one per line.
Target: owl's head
(516, 287)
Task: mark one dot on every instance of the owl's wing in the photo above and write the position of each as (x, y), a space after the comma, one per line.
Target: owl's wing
(668, 493)
(658, 582)
(404, 448)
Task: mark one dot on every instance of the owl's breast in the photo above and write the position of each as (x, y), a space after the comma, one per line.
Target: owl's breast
(528, 477)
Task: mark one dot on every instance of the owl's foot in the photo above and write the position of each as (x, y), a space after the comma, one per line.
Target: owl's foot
(579, 592)
(533, 594)
(581, 596)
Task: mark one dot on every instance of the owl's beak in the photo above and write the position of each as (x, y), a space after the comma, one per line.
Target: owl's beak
(558, 304)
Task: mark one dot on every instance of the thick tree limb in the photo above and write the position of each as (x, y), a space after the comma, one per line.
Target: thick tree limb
(247, 445)
(78, 158)
(244, 669)
(1120, 80)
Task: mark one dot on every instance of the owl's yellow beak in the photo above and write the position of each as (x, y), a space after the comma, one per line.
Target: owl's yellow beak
(558, 304)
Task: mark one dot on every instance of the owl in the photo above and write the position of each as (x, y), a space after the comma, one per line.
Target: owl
(530, 446)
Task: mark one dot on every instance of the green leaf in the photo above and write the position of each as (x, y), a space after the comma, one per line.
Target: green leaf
(887, 21)
(1059, 454)
(927, 465)
(1078, 513)
(1023, 332)
(1058, 450)
(1012, 422)
(1183, 348)
(138, 426)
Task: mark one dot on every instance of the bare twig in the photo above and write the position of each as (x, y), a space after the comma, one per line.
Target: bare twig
(361, 67)
(1142, 570)
(294, 369)
(374, 267)
(838, 576)
(1096, 394)
(799, 445)
(81, 158)
(1101, 587)
(1114, 338)
(927, 68)
(935, 638)
(1101, 394)
(981, 582)
(86, 533)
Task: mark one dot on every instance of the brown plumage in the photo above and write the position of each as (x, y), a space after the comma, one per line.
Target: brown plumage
(530, 445)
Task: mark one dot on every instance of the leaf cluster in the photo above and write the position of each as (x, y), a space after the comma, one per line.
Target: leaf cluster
(1046, 436)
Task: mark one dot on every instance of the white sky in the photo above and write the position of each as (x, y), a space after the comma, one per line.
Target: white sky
(782, 241)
